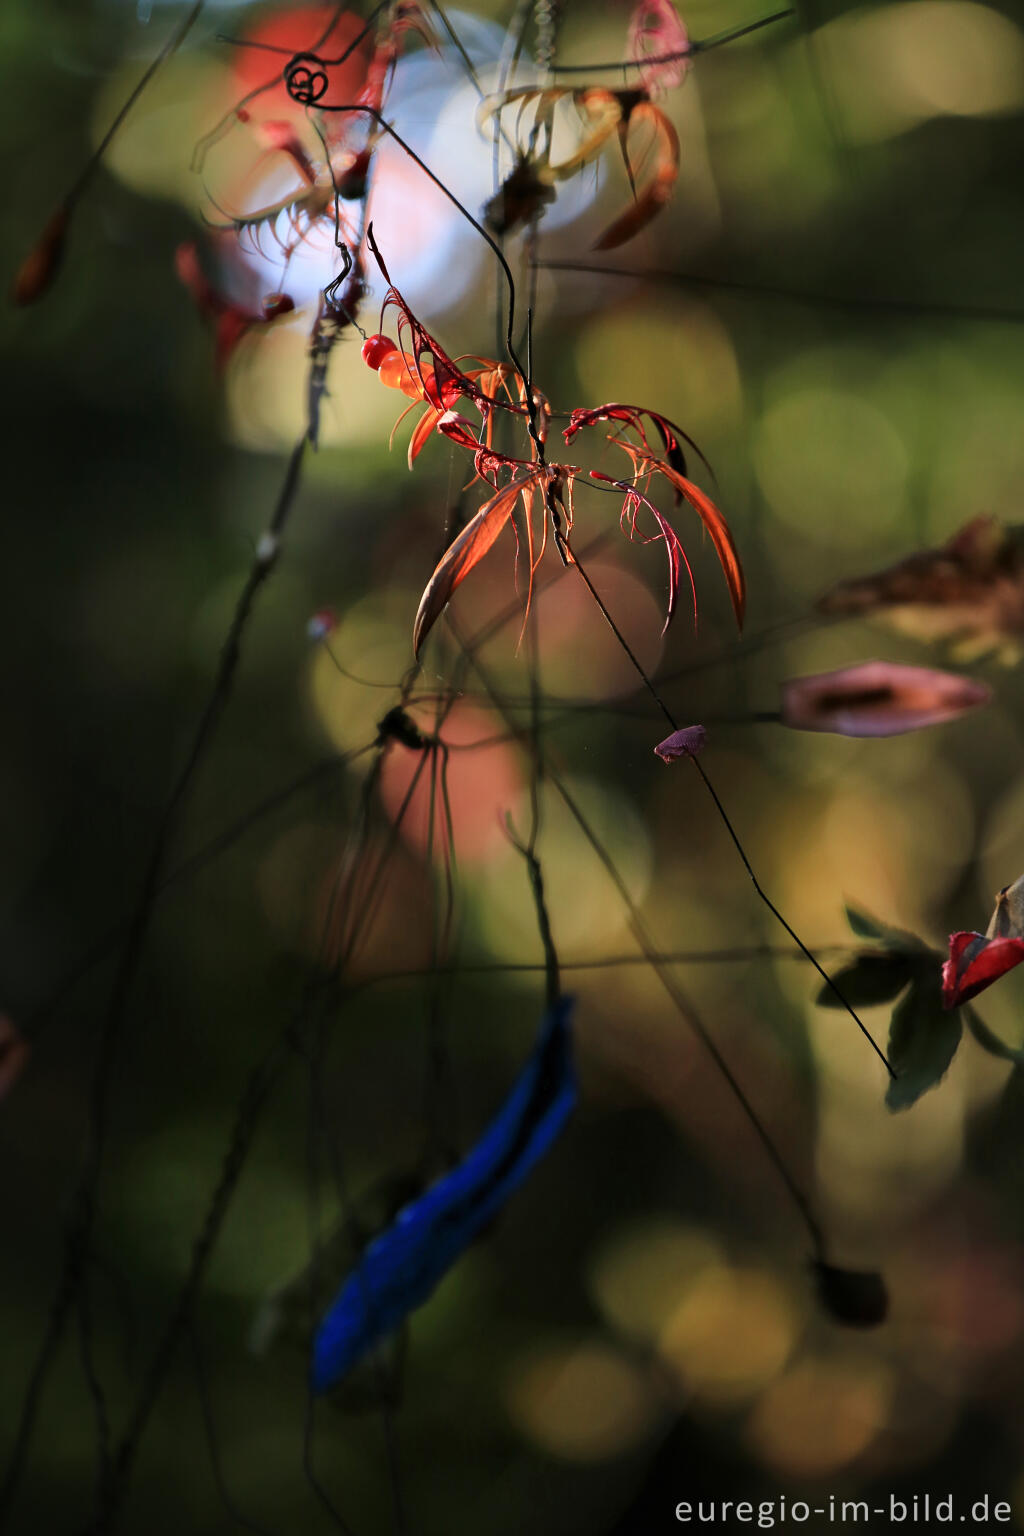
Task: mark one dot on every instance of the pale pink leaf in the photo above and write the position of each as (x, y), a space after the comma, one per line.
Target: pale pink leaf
(655, 30)
(878, 698)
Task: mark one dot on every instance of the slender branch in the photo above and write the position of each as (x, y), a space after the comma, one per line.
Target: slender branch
(264, 1077)
(699, 46)
(857, 303)
(682, 1003)
(762, 894)
(171, 46)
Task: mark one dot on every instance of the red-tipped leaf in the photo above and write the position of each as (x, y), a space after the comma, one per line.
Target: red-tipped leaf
(975, 963)
(718, 531)
(657, 188)
(42, 263)
(466, 551)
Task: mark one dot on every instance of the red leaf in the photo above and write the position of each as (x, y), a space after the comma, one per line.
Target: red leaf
(657, 190)
(466, 551)
(427, 372)
(685, 743)
(975, 963)
(878, 698)
(673, 545)
(229, 329)
(42, 263)
(717, 528)
(282, 135)
(230, 320)
(422, 431)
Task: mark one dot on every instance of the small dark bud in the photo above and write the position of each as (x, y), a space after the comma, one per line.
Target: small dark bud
(855, 1297)
(397, 726)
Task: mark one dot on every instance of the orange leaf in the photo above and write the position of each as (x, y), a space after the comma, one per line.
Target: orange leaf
(422, 431)
(604, 109)
(40, 266)
(657, 190)
(718, 529)
(466, 551)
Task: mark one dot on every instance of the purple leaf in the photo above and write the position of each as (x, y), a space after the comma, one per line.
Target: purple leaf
(685, 743)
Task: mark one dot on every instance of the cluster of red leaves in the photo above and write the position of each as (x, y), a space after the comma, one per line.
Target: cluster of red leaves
(670, 463)
(420, 367)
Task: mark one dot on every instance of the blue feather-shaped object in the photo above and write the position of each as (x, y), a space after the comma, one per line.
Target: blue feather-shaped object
(402, 1266)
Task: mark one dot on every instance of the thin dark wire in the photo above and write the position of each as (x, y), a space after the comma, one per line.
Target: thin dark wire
(80, 1228)
(105, 945)
(210, 1430)
(310, 1473)
(762, 894)
(686, 1009)
(317, 1112)
(682, 1003)
(204, 856)
(221, 127)
(859, 303)
(481, 231)
(343, 902)
(171, 46)
(94, 1386)
(61, 1305)
(439, 1085)
(264, 1077)
(732, 956)
(700, 46)
(320, 1119)
(262, 1080)
(565, 711)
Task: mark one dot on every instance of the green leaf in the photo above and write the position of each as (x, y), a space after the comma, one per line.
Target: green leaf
(990, 1042)
(872, 978)
(864, 927)
(896, 939)
(923, 1038)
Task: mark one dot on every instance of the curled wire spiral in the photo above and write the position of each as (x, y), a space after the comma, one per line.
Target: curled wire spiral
(305, 78)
